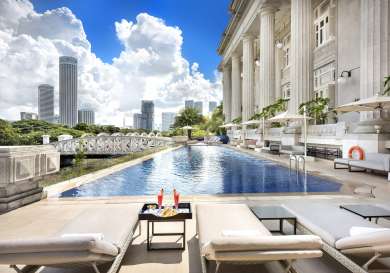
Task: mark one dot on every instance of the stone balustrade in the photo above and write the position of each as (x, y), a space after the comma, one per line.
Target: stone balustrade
(111, 145)
(20, 169)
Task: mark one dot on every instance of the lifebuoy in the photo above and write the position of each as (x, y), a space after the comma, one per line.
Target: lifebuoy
(356, 150)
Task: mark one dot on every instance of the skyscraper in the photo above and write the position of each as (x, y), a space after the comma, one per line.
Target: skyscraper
(137, 121)
(189, 104)
(68, 91)
(28, 116)
(198, 105)
(46, 102)
(86, 116)
(168, 118)
(212, 106)
(147, 111)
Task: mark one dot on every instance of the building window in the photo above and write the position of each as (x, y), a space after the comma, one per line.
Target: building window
(286, 50)
(286, 90)
(321, 24)
(324, 76)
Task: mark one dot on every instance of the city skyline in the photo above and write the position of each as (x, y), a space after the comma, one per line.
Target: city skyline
(167, 78)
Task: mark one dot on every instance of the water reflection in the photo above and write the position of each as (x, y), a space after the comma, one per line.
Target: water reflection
(204, 170)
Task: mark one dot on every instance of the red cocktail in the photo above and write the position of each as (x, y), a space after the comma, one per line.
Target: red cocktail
(160, 196)
(176, 197)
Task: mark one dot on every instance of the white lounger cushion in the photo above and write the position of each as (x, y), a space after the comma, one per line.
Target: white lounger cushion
(365, 240)
(114, 221)
(327, 220)
(264, 243)
(53, 251)
(57, 245)
(213, 219)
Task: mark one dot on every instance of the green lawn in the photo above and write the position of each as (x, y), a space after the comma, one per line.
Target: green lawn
(92, 165)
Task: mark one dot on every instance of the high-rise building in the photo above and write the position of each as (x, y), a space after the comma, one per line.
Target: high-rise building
(168, 118)
(212, 106)
(147, 111)
(86, 116)
(189, 104)
(68, 91)
(46, 102)
(137, 121)
(28, 116)
(198, 105)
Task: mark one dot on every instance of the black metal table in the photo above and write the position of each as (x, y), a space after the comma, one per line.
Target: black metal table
(275, 213)
(367, 211)
(184, 213)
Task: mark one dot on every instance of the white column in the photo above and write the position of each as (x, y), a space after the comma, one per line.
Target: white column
(374, 48)
(257, 89)
(236, 87)
(301, 53)
(278, 72)
(227, 92)
(267, 55)
(248, 78)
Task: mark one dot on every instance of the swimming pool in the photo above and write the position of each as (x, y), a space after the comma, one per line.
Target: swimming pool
(203, 170)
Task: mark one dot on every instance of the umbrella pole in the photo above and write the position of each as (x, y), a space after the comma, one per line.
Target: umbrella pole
(305, 129)
(263, 131)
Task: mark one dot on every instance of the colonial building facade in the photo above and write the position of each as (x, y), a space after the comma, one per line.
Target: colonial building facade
(304, 49)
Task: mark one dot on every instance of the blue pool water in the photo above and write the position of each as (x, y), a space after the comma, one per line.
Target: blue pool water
(203, 170)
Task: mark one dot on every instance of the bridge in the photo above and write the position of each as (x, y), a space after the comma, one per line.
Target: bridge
(116, 144)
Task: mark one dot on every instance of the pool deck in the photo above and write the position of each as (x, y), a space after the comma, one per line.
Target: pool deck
(42, 218)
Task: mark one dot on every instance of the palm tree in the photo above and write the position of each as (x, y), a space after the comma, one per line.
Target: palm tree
(188, 117)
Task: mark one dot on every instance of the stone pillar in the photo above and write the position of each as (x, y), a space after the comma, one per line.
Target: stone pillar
(257, 88)
(248, 78)
(21, 167)
(301, 53)
(374, 47)
(267, 55)
(278, 72)
(227, 93)
(236, 87)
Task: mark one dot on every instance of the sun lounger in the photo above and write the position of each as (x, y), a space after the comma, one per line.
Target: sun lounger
(343, 162)
(75, 243)
(373, 161)
(333, 225)
(231, 233)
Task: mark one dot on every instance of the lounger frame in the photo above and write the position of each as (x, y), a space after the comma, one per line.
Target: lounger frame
(288, 267)
(113, 268)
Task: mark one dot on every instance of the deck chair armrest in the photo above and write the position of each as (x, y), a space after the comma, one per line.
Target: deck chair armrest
(263, 243)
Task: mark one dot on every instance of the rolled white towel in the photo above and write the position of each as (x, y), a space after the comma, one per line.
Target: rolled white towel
(364, 230)
(241, 233)
(97, 236)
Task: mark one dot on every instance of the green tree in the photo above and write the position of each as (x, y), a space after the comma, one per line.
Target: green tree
(316, 108)
(8, 135)
(216, 120)
(188, 117)
(80, 156)
(81, 127)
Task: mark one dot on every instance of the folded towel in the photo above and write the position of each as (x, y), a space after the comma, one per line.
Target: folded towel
(96, 236)
(364, 230)
(241, 233)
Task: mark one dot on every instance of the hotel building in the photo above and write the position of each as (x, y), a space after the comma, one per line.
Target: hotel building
(86, 116)
(300, 50)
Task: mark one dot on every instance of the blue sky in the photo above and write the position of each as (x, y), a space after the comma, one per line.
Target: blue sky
(201, 21)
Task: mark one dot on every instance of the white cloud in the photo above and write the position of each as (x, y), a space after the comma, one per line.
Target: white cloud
(150, 66)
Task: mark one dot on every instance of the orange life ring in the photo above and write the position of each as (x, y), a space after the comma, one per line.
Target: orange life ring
(356, 150)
